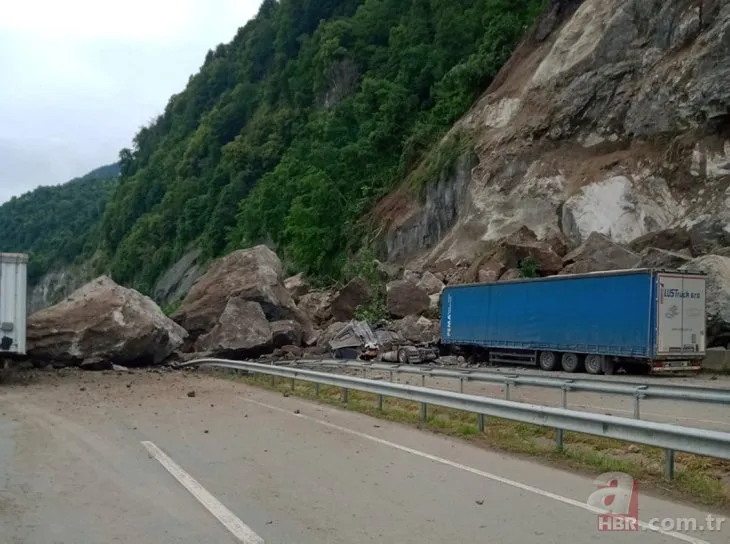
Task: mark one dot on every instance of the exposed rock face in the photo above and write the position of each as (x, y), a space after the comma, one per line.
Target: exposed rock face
(717, 269)
(609, 118)
(178, 280)
(56, 285)
(242, 331)
(352, 295)
(103, 321)
(405, 298)
(251, 274)
(599, 253)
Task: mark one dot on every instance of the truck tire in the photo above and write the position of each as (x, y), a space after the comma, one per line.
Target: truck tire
(547, 360)
(594, 364)
(570, 362)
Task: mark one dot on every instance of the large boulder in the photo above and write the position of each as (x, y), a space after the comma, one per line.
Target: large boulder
(317, 305)
(430, 283)
(523, 244)
(286, 333)
(405, 298)
(653, 257)
(253, 274)
(103, 321)
(599, 253)
(242, 330)
(347, 300)
(717, 296)
(490, 271)
(674, 239)
(418, 330)
(706, 234)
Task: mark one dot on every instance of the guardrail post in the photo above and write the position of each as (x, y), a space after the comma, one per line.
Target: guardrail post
(292, 383)
(273, 381)
(423, 380)
(669, 464)
(559, 434)
(507, 389)
(344, 395)
(316, 389)
(424, 411)
(480, 422)
(461, 384)
(380, 403)
(391, 375)
(639, 394)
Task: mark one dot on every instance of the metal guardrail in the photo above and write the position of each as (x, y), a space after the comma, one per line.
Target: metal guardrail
(669, 437)
(638, 391)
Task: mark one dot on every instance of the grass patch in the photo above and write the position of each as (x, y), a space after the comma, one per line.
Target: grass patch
(697, 478)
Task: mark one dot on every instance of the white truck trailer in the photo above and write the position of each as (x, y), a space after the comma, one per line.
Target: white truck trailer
(13, 304)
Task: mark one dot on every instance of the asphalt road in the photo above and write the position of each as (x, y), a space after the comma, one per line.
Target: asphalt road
(132, 458)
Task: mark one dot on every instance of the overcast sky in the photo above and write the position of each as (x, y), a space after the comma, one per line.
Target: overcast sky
(79, 77)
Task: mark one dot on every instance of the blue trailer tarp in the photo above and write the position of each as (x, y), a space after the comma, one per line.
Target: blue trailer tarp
(610, 313)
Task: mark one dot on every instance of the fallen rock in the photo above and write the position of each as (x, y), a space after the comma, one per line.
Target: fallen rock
(653, 257)
(675, 239)
(490, 271)
(405, 298)
(717, 296)
(430, 283)
(298, 286)
(388, 271)
(347, 300)
(317, 305)
(286, 333)
(434, 301)
(523, 244)
(418, 330)
(253, 274)
(599, 253)
(706, 234)
(294, 351)
(511, 274)
(103, 320)
(242, 331)
(411, 275)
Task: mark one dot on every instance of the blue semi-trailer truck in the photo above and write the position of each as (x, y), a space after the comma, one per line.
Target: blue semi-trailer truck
(641, 320)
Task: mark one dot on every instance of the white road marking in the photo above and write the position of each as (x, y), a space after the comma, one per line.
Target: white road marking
(231, 522)
(525, 487)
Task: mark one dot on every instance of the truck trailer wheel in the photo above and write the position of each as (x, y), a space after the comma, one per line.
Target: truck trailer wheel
(570, 362)
(594, 364)
(548, 360)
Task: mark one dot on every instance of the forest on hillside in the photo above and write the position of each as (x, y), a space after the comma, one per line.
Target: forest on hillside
(56, 224)
(288, 135)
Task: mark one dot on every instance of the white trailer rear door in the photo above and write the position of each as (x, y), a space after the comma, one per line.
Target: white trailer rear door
(681, 315)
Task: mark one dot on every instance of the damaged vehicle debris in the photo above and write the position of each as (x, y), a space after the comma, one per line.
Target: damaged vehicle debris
(358, 341)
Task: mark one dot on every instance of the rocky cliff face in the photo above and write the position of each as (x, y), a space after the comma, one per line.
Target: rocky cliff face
(612, 117)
